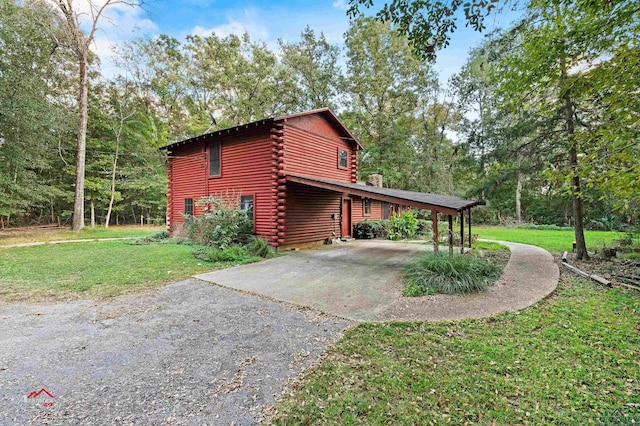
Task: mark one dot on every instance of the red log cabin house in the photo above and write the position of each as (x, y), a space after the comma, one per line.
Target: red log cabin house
(296, 174)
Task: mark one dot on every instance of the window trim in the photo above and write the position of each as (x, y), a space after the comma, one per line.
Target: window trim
(339, 166)
(184, 207)
(209, 146)
(366, 201)
(253, 197)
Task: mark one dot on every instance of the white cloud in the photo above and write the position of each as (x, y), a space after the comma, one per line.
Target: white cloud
(246, 23)
(340, 4)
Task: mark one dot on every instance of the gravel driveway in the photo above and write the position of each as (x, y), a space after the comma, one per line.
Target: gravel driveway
(193, 353)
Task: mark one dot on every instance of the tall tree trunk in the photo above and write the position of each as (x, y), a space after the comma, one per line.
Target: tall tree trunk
(113, 183)
(570, 128)
(581, 246)
(93, 213)
(576, 200)
(518, 195)
(78, 202)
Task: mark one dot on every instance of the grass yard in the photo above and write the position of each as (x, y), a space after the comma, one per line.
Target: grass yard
(552, 240)
(571, 359)
(36, 235)
(93, 269)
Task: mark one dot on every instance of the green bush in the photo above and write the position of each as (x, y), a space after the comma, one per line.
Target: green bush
(424, 228)
(222, 225)
(235, 254)
(403, 226)
(369, 229)
(257, 246)
(431, 273)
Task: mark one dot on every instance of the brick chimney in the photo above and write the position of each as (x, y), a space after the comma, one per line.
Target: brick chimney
(375, 179)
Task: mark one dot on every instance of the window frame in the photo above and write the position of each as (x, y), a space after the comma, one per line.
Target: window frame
(211, 145)
(253, 207)
(366, 205)
(340, 149)
(189, 202)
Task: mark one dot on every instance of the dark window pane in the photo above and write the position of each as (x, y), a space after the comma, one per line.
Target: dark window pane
(385, 210)
(344, 157)
(214, 159)
(188, 206)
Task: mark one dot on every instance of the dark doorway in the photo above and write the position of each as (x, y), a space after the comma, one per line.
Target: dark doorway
(346, 217)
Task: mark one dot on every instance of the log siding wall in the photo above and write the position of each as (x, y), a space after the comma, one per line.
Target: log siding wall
(246, 169)
(255, 161)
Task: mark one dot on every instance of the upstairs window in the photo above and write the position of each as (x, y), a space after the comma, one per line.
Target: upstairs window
(214, 159)
(343, 158)
(366, 206)
(246, 204)
(188, 206)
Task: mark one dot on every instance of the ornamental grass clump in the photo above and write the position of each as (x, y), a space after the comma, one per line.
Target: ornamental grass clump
(432, 273)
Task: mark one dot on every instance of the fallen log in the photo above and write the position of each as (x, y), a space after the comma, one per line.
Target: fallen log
(594, 277)
(629, 286)
(632, 280)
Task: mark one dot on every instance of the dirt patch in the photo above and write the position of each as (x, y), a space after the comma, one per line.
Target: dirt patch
(28, 232)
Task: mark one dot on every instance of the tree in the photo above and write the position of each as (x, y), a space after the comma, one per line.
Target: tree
(237, 77)
(428, 24)
(313, 63)
(554, 51)
(397, 109)
(79, 42)
(34, 123)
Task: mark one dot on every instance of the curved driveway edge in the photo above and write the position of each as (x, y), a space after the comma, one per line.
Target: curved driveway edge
(361, 281)
(530, 275)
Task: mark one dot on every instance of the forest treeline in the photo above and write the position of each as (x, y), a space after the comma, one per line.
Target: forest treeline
(543, 114)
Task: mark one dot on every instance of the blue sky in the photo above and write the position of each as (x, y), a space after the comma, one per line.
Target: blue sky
(266, 21)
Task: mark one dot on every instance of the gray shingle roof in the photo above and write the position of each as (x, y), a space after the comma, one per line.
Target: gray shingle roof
(436, 200)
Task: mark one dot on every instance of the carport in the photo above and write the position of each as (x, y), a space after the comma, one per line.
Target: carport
(437, 204)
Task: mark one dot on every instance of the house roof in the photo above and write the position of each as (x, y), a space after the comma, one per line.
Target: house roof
(283, 118)
(442, 203)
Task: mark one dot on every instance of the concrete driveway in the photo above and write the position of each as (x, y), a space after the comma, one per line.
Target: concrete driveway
(357, 280)
(191, 354)
(361, 280)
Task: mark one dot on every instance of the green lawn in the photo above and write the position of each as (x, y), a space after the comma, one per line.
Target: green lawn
(571, 359)
(551, 240)
(87, 233)
(93, 269)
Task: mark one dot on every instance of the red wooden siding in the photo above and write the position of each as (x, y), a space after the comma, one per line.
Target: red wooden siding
(245, 164)
(254, 160)
(246, 169)
(358, 211)
(311, 145)
(309, 213)
(186, 169)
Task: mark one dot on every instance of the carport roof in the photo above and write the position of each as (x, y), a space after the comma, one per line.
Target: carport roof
(442, 203)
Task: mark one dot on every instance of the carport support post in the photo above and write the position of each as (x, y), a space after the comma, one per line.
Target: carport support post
(434, 227)
(450, 234)
(469, 227)
(462, 231)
